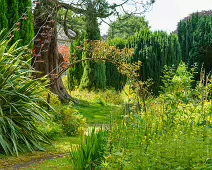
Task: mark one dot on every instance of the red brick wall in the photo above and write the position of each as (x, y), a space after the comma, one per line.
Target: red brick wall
(65, 51)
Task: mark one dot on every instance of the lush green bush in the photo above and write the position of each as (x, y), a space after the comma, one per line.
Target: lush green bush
(64, 119)
(19, 95)
(72, 122)
(51, 129)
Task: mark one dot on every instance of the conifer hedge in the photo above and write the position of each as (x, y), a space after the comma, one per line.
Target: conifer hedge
(17, 14)
(114, 78)
(3, 17)
(154, 50)
(195, 37)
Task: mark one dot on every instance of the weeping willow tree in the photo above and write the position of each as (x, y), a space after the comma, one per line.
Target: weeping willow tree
(154, 50)
(195, 35)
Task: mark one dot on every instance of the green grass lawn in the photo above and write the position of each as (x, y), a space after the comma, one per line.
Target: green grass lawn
(96, 113)
(59, 163)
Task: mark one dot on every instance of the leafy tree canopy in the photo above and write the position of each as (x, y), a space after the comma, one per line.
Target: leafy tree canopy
(126, 26)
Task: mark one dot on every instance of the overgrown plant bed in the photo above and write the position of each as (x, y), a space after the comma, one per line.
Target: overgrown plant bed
(175, 132)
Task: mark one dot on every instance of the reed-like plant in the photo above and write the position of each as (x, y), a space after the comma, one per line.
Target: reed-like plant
(90, 153)
(19, 95)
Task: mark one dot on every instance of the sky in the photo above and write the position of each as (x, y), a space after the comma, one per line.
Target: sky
(165, 14)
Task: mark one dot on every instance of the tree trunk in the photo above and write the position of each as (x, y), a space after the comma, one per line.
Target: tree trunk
(46, 58)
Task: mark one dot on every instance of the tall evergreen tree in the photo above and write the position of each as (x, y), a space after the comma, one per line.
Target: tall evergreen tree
(154, 50)
(195, 34)
(26, 33)
(13, 16)
(94, 72)
(75, 73)
(17, 15)
(3, 17)
(114, 78)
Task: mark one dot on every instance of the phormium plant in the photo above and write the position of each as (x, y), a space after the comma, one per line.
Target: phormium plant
(19, 95)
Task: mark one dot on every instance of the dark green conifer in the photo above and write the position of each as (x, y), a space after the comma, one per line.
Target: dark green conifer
(195, 34)
(94, 75)
(154, 50)
(13, 17)
(114, 78)
(75, 72)
(3, 18)
(26, 33)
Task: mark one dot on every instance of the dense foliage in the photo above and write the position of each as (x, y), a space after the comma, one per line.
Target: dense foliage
(94, 72)
(19, 97)
(169, 131)
(16, 17)
(195, 33)
(75, 72)
(3, 17)
(154, 50)
(126, 26)
(114, 78)
(26, 29)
